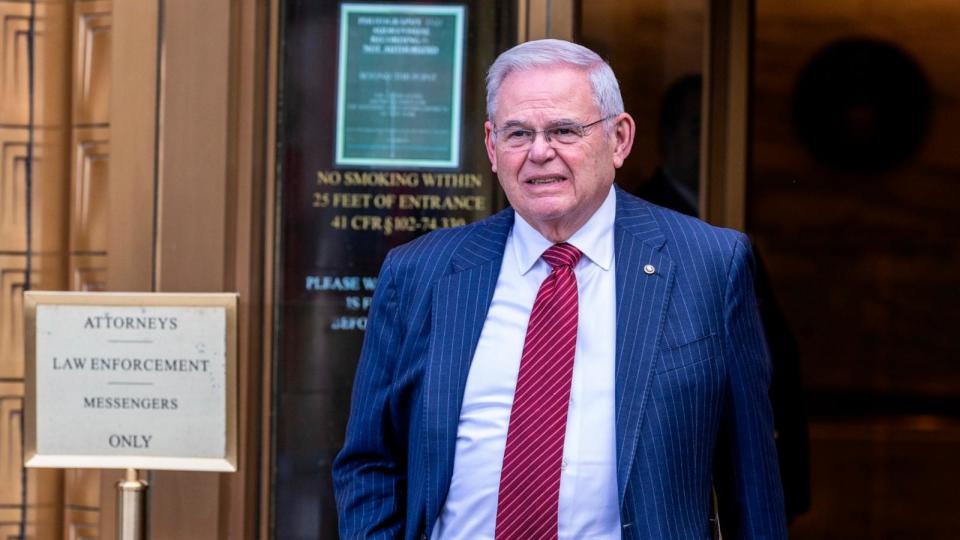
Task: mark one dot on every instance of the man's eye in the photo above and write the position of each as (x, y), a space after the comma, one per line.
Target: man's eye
(518, 134)
(564, 131)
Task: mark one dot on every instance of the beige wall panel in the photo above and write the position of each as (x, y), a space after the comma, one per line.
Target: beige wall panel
(51, 134)
(133, 103)
(197, 196)
(81, 525)
(52, 54)
(43, 486)
(14, 65)
(44, 517)
(48, 271)
(81, 488)
(13, 189)
(88, 272)
(89, 190)
(184, 505)
(245, 231)
(13, 277)
(133, 129)
(11, 410)
(49, 199)
(91, 73)
(109, 478)
(193, 146)
(9, 522)
(193, 196)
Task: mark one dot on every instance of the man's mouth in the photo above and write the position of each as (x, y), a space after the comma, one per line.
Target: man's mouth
(541, 180)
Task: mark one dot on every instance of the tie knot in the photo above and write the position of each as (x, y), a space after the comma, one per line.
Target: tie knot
(562, 254)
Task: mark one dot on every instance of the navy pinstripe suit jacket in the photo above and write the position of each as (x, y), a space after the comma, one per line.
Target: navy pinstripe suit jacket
(691, 380)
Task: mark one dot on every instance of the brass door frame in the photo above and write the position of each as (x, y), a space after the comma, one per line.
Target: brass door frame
(269, 286)
(724, 148)
(188, 181)
(539, 19)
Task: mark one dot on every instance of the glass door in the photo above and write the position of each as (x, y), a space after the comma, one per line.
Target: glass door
(379, 139)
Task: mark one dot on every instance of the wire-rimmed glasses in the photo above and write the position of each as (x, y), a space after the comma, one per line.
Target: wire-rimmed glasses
(516, 136)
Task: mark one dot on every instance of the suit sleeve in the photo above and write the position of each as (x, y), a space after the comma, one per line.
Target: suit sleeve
(369, 472)
(747, 476)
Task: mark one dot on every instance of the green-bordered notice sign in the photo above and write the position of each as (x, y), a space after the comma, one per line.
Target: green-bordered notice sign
(398, 94)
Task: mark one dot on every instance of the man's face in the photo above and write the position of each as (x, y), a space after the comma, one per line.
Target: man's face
(555, 187)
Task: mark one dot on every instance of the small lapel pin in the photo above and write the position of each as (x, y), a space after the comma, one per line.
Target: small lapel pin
(649, 269)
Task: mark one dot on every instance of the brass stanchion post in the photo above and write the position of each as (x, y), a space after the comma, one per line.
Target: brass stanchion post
(132, 507)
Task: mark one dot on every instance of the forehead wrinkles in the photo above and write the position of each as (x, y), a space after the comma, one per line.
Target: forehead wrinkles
(536, 112)
(545, 93)
(542, 112)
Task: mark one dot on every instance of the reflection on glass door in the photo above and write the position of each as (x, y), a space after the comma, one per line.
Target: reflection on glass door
(660, 71)
(854, 199)
(380, 130)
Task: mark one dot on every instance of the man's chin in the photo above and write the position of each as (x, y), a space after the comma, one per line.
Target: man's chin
(546, 215)
(555, 224)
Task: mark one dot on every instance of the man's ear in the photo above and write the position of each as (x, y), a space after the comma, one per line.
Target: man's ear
(490, 144)
(623, 132)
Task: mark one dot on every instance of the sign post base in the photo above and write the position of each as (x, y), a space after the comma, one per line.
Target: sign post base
(132, 507)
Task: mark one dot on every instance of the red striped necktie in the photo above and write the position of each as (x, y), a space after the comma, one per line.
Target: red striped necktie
(530, 479)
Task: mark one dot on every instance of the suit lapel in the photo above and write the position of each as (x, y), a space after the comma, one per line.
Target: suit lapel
(461, 300)
(642, 299)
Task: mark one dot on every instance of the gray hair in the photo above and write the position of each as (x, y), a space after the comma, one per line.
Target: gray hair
(554, 52)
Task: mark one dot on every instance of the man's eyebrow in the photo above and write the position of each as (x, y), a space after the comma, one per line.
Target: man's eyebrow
(514, 123)
(550, 124)
(563, 122)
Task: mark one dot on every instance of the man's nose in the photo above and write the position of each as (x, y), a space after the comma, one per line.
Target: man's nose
(541, 149)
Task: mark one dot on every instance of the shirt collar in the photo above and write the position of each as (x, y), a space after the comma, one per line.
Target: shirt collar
(594, 239)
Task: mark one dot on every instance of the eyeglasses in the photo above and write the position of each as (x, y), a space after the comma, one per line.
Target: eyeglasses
(520, 137)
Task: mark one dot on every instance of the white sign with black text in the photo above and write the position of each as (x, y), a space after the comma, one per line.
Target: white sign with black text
(141, 382)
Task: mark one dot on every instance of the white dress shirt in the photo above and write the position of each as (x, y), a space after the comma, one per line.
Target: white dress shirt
(588, 483)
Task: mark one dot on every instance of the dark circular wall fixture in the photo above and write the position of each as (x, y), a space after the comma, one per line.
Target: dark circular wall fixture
(862, 106)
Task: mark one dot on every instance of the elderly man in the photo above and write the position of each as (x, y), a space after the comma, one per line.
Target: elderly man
(583, 365)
